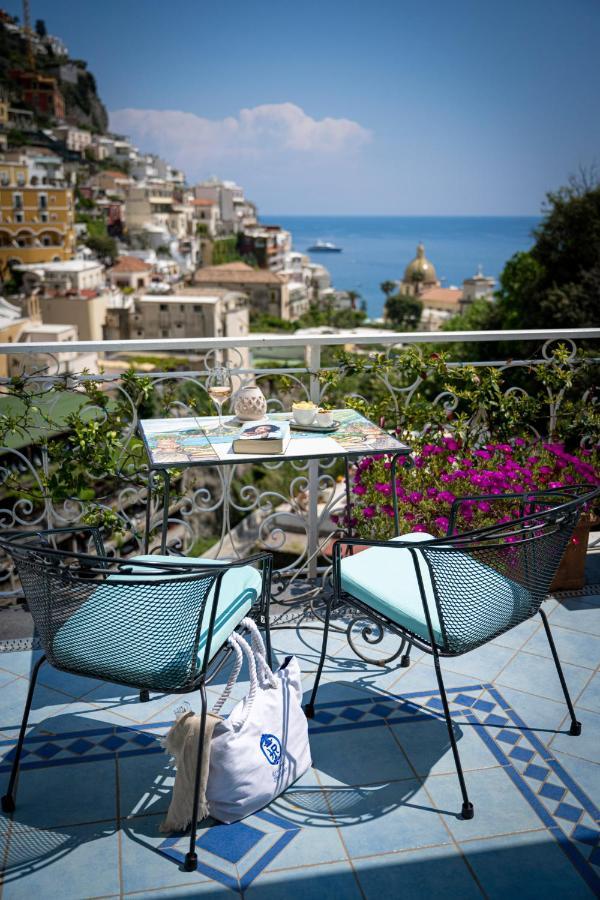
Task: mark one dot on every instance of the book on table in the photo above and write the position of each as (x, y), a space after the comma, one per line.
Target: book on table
(262, 437)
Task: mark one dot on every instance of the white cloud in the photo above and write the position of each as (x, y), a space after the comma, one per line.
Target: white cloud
(264, 132)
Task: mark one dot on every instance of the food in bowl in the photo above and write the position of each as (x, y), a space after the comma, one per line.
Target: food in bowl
(324, 418)
(304, 412)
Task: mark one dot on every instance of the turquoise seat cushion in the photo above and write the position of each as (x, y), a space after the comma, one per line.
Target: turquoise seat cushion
(385, 580)
(139, 628)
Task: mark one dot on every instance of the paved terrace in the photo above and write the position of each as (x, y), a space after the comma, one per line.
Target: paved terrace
(375, 817)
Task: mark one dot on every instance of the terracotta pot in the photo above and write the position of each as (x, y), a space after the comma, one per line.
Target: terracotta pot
(346, 550)
(571, 572)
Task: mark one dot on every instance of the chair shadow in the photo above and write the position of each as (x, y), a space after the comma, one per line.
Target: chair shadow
(145, 790)
(27, 847)
(349, 803)
(574, 604)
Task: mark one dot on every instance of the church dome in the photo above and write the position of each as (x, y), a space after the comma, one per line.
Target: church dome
(420, 269)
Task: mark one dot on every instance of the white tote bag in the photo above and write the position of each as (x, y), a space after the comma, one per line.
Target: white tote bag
(262, 747)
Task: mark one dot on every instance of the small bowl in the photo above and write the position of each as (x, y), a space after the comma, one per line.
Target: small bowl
(304, 416)
(324, 418)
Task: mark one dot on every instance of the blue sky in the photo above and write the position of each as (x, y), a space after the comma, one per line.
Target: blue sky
(382, 107)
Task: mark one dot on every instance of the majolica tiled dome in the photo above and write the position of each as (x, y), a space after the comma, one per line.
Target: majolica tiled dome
(421, 268)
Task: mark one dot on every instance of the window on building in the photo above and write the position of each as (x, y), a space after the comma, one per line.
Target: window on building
(43, 217)
(19, 217)
(163, 307)
(43, 201)
(4, 179)
(21, 180)
(197, 309)
(17, 201)
(164, 332)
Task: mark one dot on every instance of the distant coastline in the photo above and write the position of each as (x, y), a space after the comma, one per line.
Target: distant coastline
(377, 248)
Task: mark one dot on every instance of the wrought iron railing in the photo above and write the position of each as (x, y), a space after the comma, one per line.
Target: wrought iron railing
(288, 507)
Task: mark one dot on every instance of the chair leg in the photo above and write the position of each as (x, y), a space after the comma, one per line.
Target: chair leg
(8, 801)
(467, 807)
(575, 728)
(405, 658)
(191, 857)
(309, 709)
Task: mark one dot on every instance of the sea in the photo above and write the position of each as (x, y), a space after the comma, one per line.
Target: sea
(378, 248)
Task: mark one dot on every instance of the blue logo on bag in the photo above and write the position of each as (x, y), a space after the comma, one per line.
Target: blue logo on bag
(271, 747)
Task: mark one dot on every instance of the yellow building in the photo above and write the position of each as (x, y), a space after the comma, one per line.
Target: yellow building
(36, 223)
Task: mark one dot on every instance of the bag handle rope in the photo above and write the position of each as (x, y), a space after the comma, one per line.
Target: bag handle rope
(258, 648)
(233, 677)
(249, 700)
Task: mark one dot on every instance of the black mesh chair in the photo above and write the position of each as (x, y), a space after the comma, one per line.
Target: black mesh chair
(154, 623)
(450, 595)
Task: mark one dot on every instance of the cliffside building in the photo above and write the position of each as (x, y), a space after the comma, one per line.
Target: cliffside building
(74, 291)
(268, 292)
(36, 221)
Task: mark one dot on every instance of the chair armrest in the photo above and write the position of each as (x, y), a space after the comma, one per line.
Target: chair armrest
(265, 556)
(571, 490)
(367, 542)
(93, 530)
(194, 568)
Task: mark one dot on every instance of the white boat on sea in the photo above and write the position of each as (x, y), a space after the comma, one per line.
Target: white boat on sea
(324, 247)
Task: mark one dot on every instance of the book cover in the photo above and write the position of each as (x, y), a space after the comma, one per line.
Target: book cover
(262, 437)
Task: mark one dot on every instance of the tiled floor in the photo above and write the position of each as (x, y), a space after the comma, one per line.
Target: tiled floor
(377, 815)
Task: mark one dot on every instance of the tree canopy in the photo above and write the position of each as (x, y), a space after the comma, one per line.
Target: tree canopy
(403, 311)
(556, 284)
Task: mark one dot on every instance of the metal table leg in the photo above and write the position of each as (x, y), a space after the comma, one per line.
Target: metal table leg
(165, 521)
(148, 511)
(395, 495)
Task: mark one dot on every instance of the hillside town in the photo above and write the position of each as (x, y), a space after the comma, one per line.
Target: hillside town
(101, 240)
(299, 451)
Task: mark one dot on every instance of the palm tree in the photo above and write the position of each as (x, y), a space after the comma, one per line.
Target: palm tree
(353, 296)
(388, 287)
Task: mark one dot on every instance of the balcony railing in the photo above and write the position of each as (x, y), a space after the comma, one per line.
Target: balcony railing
(286, 507)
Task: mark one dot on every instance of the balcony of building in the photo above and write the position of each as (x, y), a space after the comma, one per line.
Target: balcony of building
(378, 813)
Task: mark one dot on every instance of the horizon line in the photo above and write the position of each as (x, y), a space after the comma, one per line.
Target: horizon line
(408, 215)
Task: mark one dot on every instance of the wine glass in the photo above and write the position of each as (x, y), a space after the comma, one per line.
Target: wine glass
(219, 389)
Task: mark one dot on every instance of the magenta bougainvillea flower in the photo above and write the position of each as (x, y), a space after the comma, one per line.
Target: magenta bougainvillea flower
(444, 471)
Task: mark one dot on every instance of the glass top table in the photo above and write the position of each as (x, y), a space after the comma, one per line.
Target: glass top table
(178, 443)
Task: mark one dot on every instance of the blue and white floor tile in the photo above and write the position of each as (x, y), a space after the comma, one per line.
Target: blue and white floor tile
(376, 816)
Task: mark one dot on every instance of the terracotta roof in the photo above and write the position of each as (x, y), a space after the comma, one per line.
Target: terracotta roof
(201, 202)
(236, 273)
(441, 298)
(131, 264)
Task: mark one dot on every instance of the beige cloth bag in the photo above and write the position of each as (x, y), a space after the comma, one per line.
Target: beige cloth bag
(181, 742)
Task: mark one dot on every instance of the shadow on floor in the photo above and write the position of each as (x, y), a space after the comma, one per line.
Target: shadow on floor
(73, 780)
